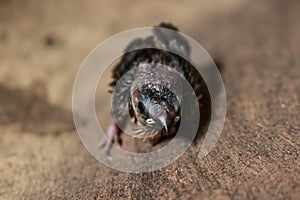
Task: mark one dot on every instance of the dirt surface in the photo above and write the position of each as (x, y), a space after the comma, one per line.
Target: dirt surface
(42, 46)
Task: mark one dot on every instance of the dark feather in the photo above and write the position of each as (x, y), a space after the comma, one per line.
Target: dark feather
(131, 60)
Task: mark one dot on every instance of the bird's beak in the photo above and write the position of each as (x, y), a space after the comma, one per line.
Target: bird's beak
(158, 113)
(162, 119)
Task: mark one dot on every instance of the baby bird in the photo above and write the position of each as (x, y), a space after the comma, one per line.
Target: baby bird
(146, 85)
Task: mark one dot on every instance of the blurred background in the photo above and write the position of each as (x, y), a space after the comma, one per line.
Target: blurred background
(42, 44)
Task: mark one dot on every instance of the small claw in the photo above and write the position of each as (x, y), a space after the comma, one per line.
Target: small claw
(113, 134)
(120, 141)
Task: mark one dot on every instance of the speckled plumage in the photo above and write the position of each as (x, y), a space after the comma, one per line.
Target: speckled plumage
(146, 82)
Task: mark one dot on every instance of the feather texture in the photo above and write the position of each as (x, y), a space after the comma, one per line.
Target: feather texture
(137, 66)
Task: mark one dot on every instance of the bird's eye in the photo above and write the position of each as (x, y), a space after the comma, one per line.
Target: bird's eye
(141, 107)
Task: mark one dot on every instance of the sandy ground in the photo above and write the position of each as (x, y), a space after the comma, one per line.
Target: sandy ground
(42, 45)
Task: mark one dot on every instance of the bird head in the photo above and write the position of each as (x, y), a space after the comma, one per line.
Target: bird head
(156, 108)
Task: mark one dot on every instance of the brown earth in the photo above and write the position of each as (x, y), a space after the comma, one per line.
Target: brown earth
(42, 45)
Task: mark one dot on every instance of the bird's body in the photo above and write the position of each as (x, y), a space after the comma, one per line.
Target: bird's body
(145, 86)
